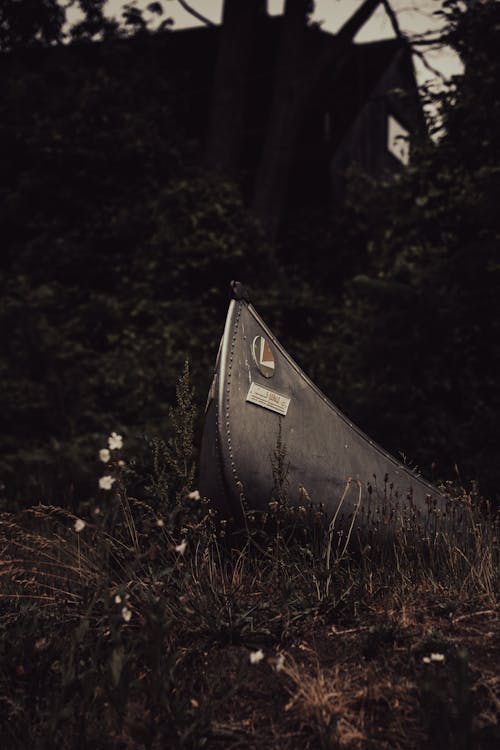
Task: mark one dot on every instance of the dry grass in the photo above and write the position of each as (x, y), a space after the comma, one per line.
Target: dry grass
(118, 636)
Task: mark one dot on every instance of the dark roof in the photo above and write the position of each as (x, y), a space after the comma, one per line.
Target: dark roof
(348, 82)
(186, 59)
(189, 55)
(195, 49)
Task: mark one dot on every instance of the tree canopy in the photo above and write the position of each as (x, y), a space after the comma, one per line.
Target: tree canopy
(421, 322)
(119, 242)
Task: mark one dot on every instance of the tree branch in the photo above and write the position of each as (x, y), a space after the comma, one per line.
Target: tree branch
(357, 20)
(195, 13)
(403, 38)
(342, 41)
(394, 21)
(437, 41)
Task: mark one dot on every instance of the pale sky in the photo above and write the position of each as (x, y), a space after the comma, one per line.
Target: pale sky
(414, 16)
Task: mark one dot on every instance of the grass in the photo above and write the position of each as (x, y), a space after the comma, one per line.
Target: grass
(150, 622)
(121, 636)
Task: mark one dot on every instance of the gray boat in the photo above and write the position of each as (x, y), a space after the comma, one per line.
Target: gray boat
(259, 399)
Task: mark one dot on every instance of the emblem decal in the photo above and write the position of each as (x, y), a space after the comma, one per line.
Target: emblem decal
(261, 396)
(263, 356)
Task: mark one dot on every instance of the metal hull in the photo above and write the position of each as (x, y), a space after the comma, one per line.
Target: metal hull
(328, 456)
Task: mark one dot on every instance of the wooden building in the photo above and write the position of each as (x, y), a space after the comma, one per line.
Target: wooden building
(363, 115)
(362, 110)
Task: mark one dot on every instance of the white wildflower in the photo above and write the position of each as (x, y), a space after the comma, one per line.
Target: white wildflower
(104, 455)
(160, 522)
(121, 464)
(438, 658)
(115, 442)
(106, 482)
(126, 614)
(426, 660)
(118, 599)
(280, 662)
(181, 548)
(79, 525)
(195, 495)
(256, 656)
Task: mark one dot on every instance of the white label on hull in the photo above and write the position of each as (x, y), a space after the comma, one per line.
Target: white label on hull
(261, 396)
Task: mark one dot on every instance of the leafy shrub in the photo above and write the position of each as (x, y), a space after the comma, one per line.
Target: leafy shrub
(118, 270)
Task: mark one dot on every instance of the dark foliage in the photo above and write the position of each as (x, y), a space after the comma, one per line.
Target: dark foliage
(415, 356)
(117, 251)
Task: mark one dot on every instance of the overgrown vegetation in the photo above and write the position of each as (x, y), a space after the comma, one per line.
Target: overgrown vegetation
(148, 622)
(418, 324)
(112, 276)
(117, 250)
(132, 616)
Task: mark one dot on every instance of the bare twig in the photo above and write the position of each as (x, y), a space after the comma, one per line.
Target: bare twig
(471, 615)
(410, 42)
(394, 21)
(195, 13)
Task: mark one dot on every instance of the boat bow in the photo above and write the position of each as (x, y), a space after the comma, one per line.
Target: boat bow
(260, 395)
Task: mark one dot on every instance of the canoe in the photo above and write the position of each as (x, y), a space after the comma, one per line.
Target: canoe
(261, 400)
